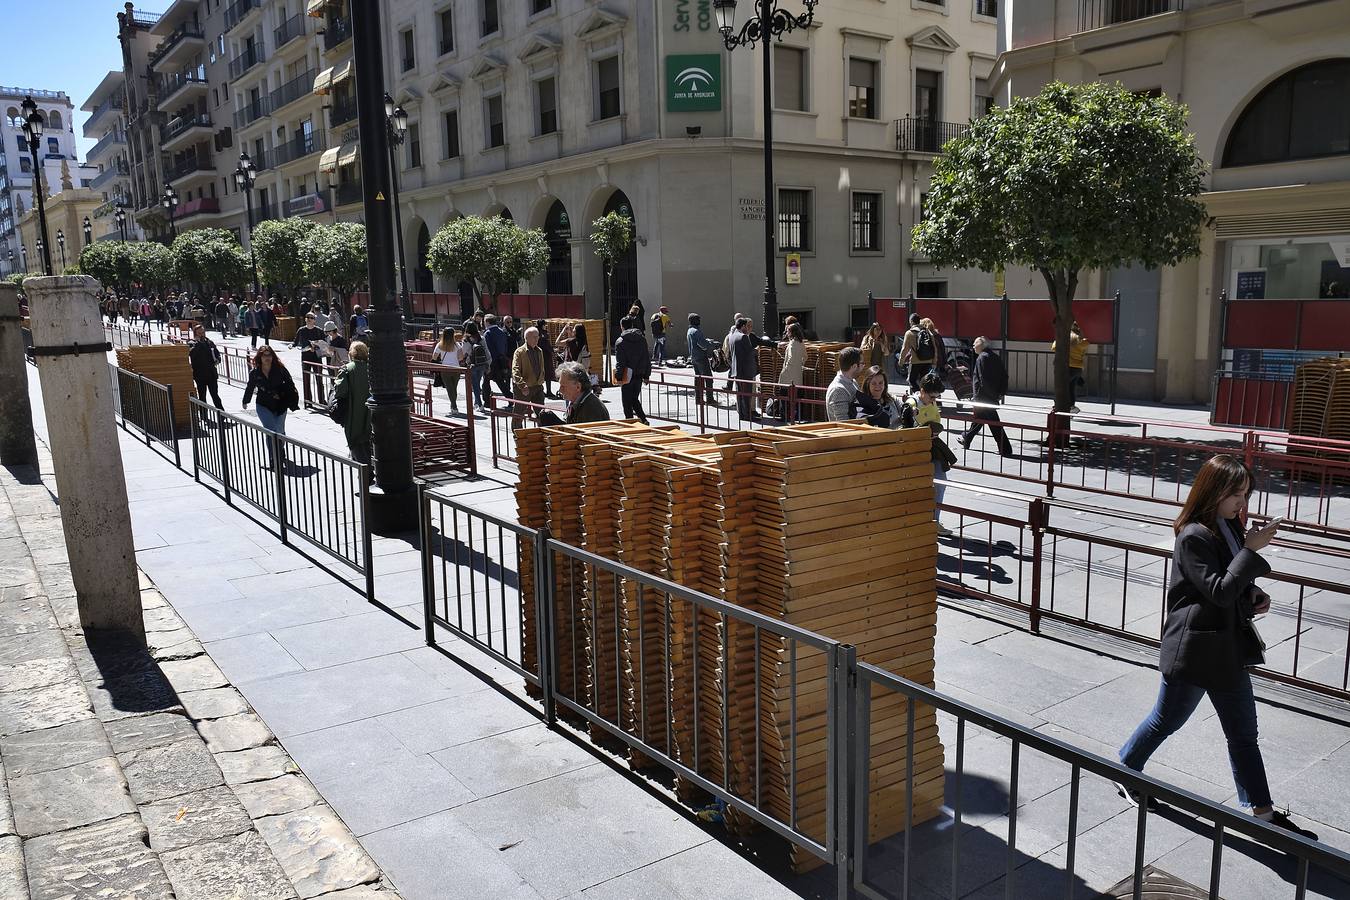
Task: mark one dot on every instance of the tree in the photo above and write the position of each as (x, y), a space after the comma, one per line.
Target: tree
(211, 257)
(1087, 176)
(492, 253)
(611, 236)
(335, 256)
(276, 244)
(109, 262)
(153, 265)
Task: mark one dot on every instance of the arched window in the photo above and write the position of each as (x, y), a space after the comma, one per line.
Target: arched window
(1301, 115)
(12, 117)
(54, 119)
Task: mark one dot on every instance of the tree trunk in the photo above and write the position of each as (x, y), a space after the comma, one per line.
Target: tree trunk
(1062, 284)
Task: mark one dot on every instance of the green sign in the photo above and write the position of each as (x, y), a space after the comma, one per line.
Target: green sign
(693, 82)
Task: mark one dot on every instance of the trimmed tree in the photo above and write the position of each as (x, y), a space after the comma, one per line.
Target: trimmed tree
(276, 244)
(1085, 176)
(153, 265)
(211, 257)
(109, 262)
(494, 254)
(611, 236)
(335, 256)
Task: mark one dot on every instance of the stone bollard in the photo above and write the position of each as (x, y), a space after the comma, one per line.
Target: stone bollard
(17, 447)
(90, 483)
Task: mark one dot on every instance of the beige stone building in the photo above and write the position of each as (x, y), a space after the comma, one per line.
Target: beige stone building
(1266, 83)
(65, 211)
(553, 112)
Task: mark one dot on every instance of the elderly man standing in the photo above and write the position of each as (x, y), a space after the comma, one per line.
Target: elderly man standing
(989, 382)
(574, 383)
(527, 373)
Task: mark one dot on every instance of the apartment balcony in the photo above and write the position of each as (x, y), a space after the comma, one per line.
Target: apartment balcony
(347, 194)
(184, 130)
(186, 171)
(113, 172)
(336, 32)
(112, 104)
(301, 85)
(180, 88)
(106, 144)
(240, 12)
(252, 112)
(308, 204)
(343, 111)
(288, 31)
(244, 61)
(297, 148)
(925, 136)
(1103, 13)
(184, 41)
(202, 206)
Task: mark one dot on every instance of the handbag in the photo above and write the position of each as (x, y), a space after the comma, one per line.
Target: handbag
(719, 360)
(337, 410)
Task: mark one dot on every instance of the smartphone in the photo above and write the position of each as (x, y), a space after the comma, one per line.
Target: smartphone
(1273, 524)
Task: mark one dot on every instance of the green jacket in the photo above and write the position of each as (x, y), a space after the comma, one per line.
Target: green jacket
(353, 387)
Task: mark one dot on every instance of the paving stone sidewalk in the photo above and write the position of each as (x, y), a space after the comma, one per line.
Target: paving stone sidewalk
(131, 773)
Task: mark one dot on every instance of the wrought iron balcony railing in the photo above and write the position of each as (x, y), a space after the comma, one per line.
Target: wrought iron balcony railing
(182, 33)
(252, 112)
(1101, 13)
(235, 12)
(113, 103)
(300, 86)
(174, 127)
(246, 60)
(299, 146)
(919, 135)
(288, 31)
(335, 32)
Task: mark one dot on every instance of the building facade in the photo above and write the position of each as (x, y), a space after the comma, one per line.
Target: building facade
(65, 212)
(107, 125)
(553, 112)
(1266, 85)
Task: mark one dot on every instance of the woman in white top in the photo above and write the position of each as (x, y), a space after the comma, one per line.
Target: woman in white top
(449, 351)
(794, 362)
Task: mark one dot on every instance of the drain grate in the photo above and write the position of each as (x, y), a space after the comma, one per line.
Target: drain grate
(1159, 885)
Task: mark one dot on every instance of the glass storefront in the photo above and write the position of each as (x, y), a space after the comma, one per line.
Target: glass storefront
(1292, 269)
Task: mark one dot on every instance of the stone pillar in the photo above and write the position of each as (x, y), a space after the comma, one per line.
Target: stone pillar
(1177, 308)
(17, 447)
(91, 485)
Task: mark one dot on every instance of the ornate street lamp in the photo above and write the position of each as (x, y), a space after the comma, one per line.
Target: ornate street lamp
(88, 231)
(244, 176)
(23, 252)
(170, 202)
(61, 242)
(11, 259)
(120, 217)
(396, 122)
(769, 21)
(33, 125)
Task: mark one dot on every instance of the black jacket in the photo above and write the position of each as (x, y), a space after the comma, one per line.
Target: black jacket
(203, 357)
(1205, 640)
(588, 408)
(275, 391)
(632, 353)
(989, 381)
(744, 359)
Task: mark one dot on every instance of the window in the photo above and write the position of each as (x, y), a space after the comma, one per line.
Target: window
(496, 132)
(1301, 115)
(984, 98)
(490, 23)
(53, 147)
(446, 25)
(789, 78)
(987, 8)
(54, 119)
(409, 56)
(794, 220)
(859, 318)
(927, 84)
(607, 88)
(931, 290)
(862, 84)
(865, 227)
(25, 164)
(546, 98)
(538, 6)
(450, 139)
(414, 145)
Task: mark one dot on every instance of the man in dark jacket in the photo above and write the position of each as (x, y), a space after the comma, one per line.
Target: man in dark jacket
(204, 357)
(989, 382)
(632, 366)
(574, 383)
(222, 312)
(700, 357)
(498, 344)
(305, 337)
(745, 365)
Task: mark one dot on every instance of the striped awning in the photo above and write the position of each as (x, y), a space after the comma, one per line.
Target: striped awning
(328, 163)
(324, 82)
(316, 7)
(343, 72)
(348, 153)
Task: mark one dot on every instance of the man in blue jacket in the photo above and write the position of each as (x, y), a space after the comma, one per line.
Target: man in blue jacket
(498, 344)
(700, 357)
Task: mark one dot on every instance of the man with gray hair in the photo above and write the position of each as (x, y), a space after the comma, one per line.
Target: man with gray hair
(989, 381)
(527, 370)
(574, 383)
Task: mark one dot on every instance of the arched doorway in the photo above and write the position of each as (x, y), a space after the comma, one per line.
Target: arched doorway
(558, 233)
(423, 283)
(506, 214)
(625, 274)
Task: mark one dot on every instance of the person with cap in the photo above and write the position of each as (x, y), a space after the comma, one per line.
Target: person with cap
(334, 347)
(660, 324)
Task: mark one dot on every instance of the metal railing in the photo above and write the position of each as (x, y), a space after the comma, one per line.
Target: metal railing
(170, 84)
(615, 647)
(920, 135)
(1101, 13)
(174, 127)
(186, 167)
(306, 490)
(117, 170)
(236, 11)
(347, 192)
(336, 32)
(147, 407)
(343, 111)
(301, 85)
(186, 31)
(116, 136)
(298, 147)
(121, 336)
(114, 102)
(246, 60)
(288, 31)
(252, 112)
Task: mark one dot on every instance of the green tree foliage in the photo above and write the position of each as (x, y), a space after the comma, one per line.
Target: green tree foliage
(153, 265)
(611, 236)
(109, 262)
(335, 256)
(492, 253)
(1087, 176)
(211, 257)
(276, 244)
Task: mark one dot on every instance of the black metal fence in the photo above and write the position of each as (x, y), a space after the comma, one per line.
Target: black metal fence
(1101, 13)
(146, 407)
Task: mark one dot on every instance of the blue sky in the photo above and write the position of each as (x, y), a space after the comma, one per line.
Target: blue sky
(78, 47)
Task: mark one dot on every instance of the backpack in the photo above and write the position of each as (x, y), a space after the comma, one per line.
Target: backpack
(478, 356)
(360, 325)
(925, 348)
(719, 360)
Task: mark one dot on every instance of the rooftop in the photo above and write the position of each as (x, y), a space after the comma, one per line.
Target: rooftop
(35, 93)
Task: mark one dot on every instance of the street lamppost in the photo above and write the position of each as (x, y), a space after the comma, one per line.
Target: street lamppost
(11, 259)
(393, 500)
(33, 125)
(244, 176)
(120, 217)
(170, 201)
(61, 242)
(23, 253)
(769, 21)
(88, 231)
(396, 122)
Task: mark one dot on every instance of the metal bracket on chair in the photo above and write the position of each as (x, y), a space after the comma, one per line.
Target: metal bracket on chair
(71, 350)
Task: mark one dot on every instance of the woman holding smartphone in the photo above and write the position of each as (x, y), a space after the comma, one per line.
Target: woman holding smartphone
(1208, 639)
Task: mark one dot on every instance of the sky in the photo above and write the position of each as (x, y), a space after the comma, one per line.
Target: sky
(78, 48)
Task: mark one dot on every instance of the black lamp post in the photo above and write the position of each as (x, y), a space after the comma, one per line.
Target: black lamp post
(88, 231)
(393, 500)
(396, 121)
(768, 22)
(244, 176)
(170, 202)
(120, 217)
(11, 259)
(33, 125)
(23, 252)
(61, 242)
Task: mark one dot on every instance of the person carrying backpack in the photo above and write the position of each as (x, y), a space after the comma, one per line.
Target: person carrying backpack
(358, 325)
(660, 320)
(919, 350)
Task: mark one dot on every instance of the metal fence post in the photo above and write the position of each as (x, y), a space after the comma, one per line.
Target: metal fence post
(145, 426)
(1051, 447)
(428, 585)
(279, 466)
(367, 542)
(543, 619)
(222, 440)
(192, 431)
(841, 765)
(701, 399)
(1038, 517)
(173, 428)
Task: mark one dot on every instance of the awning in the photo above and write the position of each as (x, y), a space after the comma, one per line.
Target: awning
(324, 81)
(315, 7)
(328, 163)
(347, 155)
(345, 71)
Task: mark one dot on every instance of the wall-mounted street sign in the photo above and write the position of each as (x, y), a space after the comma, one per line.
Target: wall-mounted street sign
(693, 82)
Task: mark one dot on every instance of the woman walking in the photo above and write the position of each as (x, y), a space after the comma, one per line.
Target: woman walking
(1208, 639)
(449, 351)
(476, 355)
(276, 393)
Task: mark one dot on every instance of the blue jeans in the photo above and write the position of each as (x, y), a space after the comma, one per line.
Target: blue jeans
(1237, 714)
(477, 378)
(272, 422)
